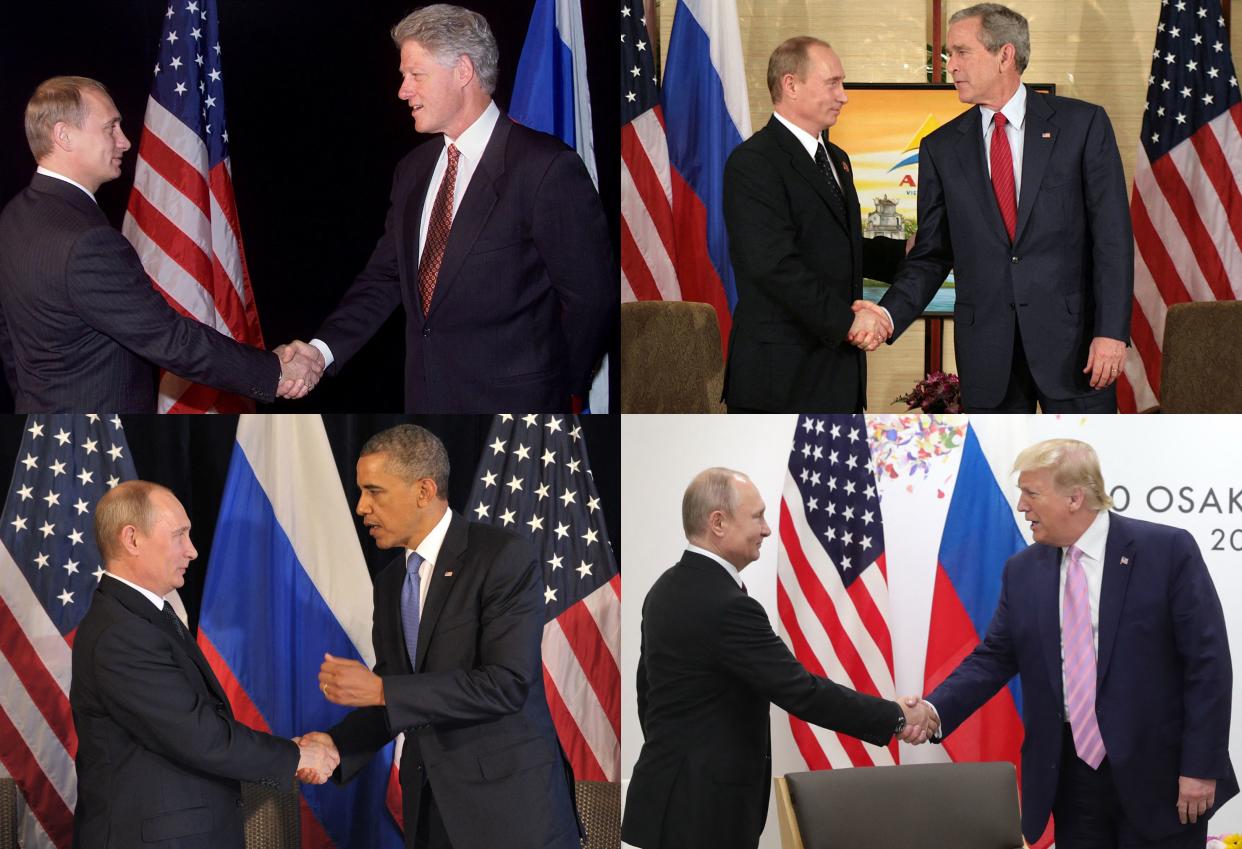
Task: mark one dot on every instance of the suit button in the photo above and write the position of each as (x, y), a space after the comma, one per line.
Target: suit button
(1014, 260)
(426, 331)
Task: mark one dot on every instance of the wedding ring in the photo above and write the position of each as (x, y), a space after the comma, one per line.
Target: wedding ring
(324, 687)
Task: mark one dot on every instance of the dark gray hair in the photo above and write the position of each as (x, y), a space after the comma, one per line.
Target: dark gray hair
(711, 490)
(413, 453)
(449, 32)
(999, 25)
(56, 100)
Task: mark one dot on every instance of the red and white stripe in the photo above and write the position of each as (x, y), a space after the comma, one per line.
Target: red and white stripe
(182, 220)
(648, 253)
(1186, 209)
(836, 632)
(581, 674)
(37, 738)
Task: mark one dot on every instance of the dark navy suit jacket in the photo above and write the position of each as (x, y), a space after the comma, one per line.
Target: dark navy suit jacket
(1067, 278)
(527, 297)
(81, 327)
(1164, 676)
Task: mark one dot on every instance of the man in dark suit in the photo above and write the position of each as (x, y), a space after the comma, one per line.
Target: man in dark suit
(459, 617)
(81, 327)
(795, 240)
(1117, 633)
(495, 243)
(159, 752)
(1024, 198)
(709, 666)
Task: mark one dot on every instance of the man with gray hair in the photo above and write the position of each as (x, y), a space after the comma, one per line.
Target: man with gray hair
(709, 666)
(1024, 198)
(459, 619)
(495, 243)
(1115, 628)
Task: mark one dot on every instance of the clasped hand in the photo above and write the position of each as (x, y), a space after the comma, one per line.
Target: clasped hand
(348, 682)
(922, 721)
(301, 367)
(318, 757)
(871, 327)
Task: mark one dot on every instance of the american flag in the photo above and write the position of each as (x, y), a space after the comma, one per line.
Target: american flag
(831, 578)
(1186, 205)
(181, 217)
(534, 478)
(49, 567)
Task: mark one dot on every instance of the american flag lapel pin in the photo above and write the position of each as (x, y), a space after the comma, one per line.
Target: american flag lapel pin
(448, 574)
(1045, 135)
(1125, 561)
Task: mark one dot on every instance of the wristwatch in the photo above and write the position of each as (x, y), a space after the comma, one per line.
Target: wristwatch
(901, 723)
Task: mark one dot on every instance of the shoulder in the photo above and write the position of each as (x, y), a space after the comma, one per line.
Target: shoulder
(422, 157)
(522, 139)
(1067, 105)
(1151, 533)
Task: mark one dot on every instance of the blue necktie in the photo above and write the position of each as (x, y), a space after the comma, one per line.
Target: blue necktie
(410, 592)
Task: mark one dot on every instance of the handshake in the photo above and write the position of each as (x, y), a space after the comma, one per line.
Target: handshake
(301, 366)
(318, 757)
(871, 326)
(922, 721)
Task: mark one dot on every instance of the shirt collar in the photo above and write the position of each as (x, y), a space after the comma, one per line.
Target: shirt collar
(150, 596)
(808, 141)
(429, 548)
(733, 573)
(1014, 111)
(47, 172)
(1095, 538)
(473, 140)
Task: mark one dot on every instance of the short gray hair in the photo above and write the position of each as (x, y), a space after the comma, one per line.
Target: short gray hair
(450, 32)
(1072, 464)
(55, 100)
(999, 25)
(790, 57)
(413, 453)
(711, 490)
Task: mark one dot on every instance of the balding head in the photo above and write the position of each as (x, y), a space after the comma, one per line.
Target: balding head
(722, 512)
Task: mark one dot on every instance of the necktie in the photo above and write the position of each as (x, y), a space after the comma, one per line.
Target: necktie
(176, 622)
(410, 592)
(438, 227)
(1002, 175)
(821, 161)
(1079, 661)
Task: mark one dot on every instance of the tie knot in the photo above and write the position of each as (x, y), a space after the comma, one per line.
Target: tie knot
(453, 153)
(1075, 554)
(999, 119)
(413, 562)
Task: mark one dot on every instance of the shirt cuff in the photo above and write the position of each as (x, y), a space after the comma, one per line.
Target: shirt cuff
(321, 347)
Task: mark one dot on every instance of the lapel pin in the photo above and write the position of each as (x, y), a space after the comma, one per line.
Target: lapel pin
(1046, 136)
(845, 166)
(1125, 561)
(448, 574)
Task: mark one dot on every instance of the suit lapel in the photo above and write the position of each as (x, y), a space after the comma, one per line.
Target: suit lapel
(411, 222)
(1048, 614)
(448, 565)
(803, 164)
(1038, 138)
(971, 156)
(1118, 563)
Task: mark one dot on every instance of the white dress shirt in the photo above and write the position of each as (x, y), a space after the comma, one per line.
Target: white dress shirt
(728, 567)
(46, 172)
(808, 141)
(429, 550)
(1091, 544)
(1015, 113)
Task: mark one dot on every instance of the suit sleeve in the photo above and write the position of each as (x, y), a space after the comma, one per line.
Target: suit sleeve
(763, 245)
(984, 671)
(1203, 644)
(509, 660)
(882, 257)
(7, 355)
(750, 650)
(931, 258)
(640, 678)
(375, 292)
(110, 291)
(1108, 219)
(145, 690)
(571, 235)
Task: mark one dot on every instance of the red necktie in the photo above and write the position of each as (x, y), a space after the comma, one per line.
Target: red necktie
(1002, 175)
(437, 232)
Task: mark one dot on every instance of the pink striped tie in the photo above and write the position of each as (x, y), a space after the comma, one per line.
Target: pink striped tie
(1080, 663)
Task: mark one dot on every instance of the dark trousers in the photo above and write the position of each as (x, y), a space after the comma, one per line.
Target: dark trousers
(1088, 810)
(429, 831)
(1023, 394)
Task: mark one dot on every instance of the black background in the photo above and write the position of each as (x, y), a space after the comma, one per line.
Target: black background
(190, 455)
(315, 128)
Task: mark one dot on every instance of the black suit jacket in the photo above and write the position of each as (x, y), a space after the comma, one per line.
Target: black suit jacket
(526, 301)
(81, 327)
(159, 753)
(473, 708)
(1068, 276)
(709, 666)
(798, 267)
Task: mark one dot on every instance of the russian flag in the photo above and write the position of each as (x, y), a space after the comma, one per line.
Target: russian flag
(550, 90)
(980, 534)
(706, 115)
(286, 583)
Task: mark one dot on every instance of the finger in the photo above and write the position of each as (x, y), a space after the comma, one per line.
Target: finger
(1181, 812)
(1090, 361)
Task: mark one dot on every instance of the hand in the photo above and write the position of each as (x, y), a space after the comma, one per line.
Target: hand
(318, 757)
(871, 326)
(921, 720)
(301, 367)
(910, 243)
(348, 682)
(1194, 797)
(1105, 361)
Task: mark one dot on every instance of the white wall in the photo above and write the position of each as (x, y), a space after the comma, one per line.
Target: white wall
(1143, 454)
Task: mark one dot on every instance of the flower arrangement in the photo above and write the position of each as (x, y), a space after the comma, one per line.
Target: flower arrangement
(936, 393)
(1224, 841)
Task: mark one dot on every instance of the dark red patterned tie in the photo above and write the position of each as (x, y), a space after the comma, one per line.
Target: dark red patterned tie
(1002, 175)
(437, 232)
